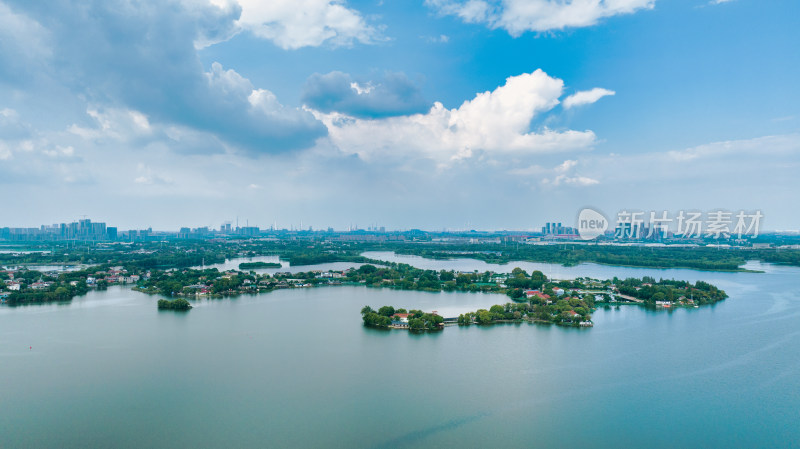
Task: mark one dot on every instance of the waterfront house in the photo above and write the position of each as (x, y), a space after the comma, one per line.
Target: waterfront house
(536, 294)
(39, 285)
(400, 320)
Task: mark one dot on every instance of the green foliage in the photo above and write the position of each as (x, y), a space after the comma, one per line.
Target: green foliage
(372, 319)
(386, 311)
(649, 290)
(418, 320)
(253, 265)
(60, 289)
(666, 257)
(175, 304)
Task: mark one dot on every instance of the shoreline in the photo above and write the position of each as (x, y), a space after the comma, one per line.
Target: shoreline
(571, 265)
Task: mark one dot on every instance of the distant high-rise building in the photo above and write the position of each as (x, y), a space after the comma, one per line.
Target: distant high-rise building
(83, 229)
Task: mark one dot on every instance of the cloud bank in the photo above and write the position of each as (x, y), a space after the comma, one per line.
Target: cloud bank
(495, 121)
(141, 56)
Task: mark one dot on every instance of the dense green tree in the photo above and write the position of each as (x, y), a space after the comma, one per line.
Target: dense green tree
(386, 311)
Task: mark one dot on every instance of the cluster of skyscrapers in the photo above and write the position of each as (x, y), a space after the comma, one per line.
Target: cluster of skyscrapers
(555, 229)
(80, 230)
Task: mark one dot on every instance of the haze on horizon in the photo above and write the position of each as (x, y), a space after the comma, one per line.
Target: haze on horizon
(432, 114)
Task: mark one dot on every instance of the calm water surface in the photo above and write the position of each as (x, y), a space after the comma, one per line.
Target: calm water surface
(294, 368)
(233, 264)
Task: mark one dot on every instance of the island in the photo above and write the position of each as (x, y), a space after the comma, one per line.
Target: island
(414, 320)
(254, 265)
(175, 304)
(564, 303)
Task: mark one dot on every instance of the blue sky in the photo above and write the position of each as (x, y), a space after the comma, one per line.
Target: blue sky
(434, 114)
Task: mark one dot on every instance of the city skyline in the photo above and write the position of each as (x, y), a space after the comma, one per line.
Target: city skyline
(636, 225)
(417, 115)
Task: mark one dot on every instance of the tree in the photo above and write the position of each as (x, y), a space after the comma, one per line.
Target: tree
(62, 293)
(483, 316)
(538, 279)
(516, 293)
(367, 269)
(496, 309)
(366, 309)
(386, 311)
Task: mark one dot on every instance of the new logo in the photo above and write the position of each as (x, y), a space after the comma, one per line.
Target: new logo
(591, 224)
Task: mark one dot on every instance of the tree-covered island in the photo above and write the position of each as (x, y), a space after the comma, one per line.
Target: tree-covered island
(175, 304)
(413, 320)
(257, 265)
(564, 303)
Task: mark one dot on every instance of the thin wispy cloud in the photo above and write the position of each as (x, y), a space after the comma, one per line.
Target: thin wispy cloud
(520, 16)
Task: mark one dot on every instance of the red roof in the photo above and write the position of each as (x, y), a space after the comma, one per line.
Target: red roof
(402, 315)
(530, 293)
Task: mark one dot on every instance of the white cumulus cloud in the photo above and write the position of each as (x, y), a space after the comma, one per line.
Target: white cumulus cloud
(493, 122)
(519, 16)
(293, 24)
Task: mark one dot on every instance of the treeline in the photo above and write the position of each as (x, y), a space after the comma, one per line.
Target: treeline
(186, 253)
(254, 265)
(572, 254)
(147, 255)
(779, 256)
(61, 288)
(318, 257)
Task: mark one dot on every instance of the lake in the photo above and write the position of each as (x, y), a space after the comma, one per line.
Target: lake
(295, 368)
(233, 264)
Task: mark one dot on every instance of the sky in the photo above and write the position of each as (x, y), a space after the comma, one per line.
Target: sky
(429, 114)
